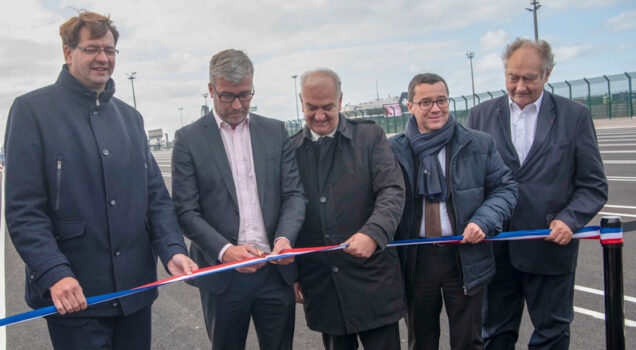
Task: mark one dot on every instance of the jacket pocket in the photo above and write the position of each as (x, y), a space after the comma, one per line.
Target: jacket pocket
(65, 230)
(58, 181)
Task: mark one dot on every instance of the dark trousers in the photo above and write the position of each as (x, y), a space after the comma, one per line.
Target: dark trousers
(381, 338)
(550, 301)
(262, 296)
(438, 277)
(101, 333)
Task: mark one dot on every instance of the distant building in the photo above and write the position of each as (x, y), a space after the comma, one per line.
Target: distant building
(392, 106)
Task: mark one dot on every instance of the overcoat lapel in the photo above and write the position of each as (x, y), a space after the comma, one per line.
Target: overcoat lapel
(503, 113)
(213, 138)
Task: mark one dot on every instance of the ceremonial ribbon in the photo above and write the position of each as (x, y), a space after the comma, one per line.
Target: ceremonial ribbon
(606, 235)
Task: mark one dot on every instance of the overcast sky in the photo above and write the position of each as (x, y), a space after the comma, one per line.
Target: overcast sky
(169, 45)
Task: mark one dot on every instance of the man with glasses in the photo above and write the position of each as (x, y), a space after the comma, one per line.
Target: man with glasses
(549, 142)
(87, 208)
(238, 195)
(456, 183)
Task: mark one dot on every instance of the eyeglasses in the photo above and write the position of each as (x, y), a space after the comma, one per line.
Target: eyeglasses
(94, 50)
(227, 97)
(428, 104)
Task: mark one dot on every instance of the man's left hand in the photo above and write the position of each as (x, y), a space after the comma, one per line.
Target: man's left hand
(360, 245)
(560, 234)
(181, 265)
(473, 234)
(280, 245)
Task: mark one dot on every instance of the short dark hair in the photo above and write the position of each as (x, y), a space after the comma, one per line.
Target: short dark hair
(424, 78)
(97, 25)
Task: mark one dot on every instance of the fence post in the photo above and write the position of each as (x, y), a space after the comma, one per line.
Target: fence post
(589, 95)
(609, 96)
(551, 88)
(569, 88)
(631, 107)
(612, 242)
(454, 106)
(489, 94)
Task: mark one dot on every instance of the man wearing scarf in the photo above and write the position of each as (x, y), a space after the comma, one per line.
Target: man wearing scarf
(456, 183)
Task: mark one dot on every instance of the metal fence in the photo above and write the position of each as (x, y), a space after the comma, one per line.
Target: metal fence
(608, 96)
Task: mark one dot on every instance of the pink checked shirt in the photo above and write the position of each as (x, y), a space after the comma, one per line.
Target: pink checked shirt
(238, 147)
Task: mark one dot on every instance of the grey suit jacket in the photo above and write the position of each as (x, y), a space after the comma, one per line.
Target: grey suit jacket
(562, 177)
(205, 197)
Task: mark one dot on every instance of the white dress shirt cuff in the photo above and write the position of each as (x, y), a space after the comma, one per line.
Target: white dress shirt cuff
(226, 247)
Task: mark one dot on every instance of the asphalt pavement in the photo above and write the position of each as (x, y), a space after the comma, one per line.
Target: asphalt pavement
(178, 321)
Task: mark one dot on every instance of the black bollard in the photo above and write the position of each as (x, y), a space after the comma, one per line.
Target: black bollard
(612, 242)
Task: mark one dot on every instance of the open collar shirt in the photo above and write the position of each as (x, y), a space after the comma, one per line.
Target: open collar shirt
(523, 125)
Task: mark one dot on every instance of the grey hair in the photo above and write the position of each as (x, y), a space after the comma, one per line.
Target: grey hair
(324, 72)
(424, 78)
(542, 47)
(231, 65)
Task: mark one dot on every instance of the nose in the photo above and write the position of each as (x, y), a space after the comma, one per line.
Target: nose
(435, 107)
(521, 86)
(101, 56)
(236, 104)
(320, 115)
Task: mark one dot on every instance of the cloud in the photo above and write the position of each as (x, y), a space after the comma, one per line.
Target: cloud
(567, 53)
(494, 40)
(624, 21)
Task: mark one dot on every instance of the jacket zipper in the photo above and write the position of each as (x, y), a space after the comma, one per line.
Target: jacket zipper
(58, 180)
(450, 185)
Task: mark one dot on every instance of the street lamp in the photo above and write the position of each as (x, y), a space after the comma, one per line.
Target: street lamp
(535, 6)
(471, 55)
(180, 109)
(131, 76)
(296, 95)
(205, 96)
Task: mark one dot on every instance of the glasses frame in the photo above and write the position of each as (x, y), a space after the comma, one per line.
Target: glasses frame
(99, 49)
(234, 96)
(434, 102)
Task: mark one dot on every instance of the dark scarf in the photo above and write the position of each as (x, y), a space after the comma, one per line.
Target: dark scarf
(430, 181)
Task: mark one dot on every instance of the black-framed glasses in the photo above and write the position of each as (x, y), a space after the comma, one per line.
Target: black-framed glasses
(227, 97)
(95, 50)
(428, 104)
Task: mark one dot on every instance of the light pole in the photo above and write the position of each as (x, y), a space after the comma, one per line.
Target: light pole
(535, 6)
(471, 55)
(205, 96)
(296, 95)
(131, 76)
(180, 109)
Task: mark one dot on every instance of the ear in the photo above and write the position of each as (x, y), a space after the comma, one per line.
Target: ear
(67, 54)
(340, 102)
(409, 105)
(302, 104)
(211, 90)
(547, 75)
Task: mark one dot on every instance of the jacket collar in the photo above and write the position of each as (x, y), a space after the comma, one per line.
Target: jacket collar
(69, 82)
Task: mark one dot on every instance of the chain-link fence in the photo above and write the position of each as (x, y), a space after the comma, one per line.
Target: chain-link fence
(609, 96)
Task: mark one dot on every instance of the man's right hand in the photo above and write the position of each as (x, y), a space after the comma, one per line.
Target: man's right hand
(240, 252)
(68, 296)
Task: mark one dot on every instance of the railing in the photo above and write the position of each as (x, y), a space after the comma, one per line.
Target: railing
(609, 96)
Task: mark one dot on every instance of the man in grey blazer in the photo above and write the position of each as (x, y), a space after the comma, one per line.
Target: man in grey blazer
(238, 194)
(550, 145)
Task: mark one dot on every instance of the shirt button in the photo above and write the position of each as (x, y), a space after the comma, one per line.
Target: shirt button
(116, 253)
(95, 112)
(327, 235)
(105, 152)
(113, 202)
(335, 269)
(115, 303)
(323, 199)
(32, 276)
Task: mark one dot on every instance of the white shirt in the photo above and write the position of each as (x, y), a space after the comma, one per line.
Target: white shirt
(447, 228)
(523, 125)
(238, 148)
(315, 136)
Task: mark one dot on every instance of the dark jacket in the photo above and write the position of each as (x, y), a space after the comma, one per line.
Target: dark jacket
(85, 198)
(482, 191)
(358, 187)
(205, 195)
(561, 178)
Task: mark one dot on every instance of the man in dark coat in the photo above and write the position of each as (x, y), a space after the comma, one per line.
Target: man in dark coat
(456, 183)
(549, 143)
(356, 193)
(87, 208)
